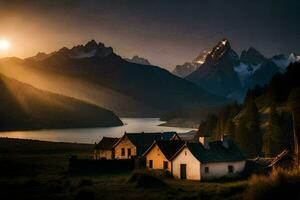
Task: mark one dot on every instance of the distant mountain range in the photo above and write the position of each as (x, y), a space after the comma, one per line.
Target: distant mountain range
(138, 60)
(25, 107)
(95, 74)
(225, 73)
(189, 67)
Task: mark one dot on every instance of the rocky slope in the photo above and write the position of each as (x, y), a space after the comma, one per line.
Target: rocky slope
(226, 73)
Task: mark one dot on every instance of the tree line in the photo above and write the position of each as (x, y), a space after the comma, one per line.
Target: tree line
(263, 124)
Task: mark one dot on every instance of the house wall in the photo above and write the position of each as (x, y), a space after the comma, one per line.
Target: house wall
(219, 170)
(126, 144)
(100, 154)
(192, 165)
(158, 158)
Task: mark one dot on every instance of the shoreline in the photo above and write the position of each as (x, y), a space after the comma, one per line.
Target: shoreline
(181, 123)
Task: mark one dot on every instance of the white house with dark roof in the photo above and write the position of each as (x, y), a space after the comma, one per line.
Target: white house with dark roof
(213, 160)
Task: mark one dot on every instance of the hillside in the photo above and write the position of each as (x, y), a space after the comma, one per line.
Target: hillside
(94, 73)
(267, 120)
(189, 117)
(25, 107)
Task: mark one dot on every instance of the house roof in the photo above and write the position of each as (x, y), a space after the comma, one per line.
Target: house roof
(106, 143)
(215, 153)
(168, 148)
(203, 134)
(190, 136)
(144, 140)
(279, 157)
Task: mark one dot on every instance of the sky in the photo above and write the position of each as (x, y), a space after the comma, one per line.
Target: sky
(166, 32)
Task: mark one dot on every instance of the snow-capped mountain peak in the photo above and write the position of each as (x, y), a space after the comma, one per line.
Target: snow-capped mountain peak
(219, 50)
(294, 58)
(200, 59)
(227, 74)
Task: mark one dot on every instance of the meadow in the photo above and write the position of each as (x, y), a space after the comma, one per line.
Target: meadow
(39, 170)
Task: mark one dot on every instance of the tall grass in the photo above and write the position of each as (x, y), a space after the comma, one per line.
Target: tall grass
(280, 184)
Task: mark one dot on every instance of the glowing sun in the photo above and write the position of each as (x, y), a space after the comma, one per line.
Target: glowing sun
(4, 45)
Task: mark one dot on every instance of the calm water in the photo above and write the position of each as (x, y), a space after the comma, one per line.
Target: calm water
(90, 135)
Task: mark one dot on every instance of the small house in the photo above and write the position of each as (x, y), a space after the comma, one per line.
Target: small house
(135, 144)
(104, 149)
(159, 154)
(217, 159)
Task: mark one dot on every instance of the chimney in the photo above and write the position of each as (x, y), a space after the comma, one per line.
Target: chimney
(224, 139)
(204, 141)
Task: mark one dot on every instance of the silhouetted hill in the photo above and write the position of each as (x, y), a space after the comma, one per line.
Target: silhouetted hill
(101, 77)
(24, 107)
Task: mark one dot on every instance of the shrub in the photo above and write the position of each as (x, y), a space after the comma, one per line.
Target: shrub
(54, 187)
(85, 182)
(279, 185)
(144, 180)
(85, 194)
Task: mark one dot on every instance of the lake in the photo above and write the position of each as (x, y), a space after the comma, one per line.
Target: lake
(91, 135)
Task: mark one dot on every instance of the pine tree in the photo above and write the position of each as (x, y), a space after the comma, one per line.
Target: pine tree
(273, 140)
(248, 134)
(230, 129)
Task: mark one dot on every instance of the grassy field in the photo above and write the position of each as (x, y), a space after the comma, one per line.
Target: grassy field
(39, 170)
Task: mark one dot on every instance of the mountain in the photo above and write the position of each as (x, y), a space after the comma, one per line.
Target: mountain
(189, 67)
(217, 73)
(251, 57)
(273, 109)
(138, 60)
(184, 70)
(227, 74)
(94, 73)
(25, 107)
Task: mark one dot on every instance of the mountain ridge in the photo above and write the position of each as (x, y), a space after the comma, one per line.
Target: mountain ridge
(148, 89)
(219, 73)
(25, 107)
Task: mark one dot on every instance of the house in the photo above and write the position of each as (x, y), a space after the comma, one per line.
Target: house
(135, 144)
(159, 154)
(196, 161)
(104, 149)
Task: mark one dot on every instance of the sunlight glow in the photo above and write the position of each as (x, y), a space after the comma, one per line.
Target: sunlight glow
(4, 45)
